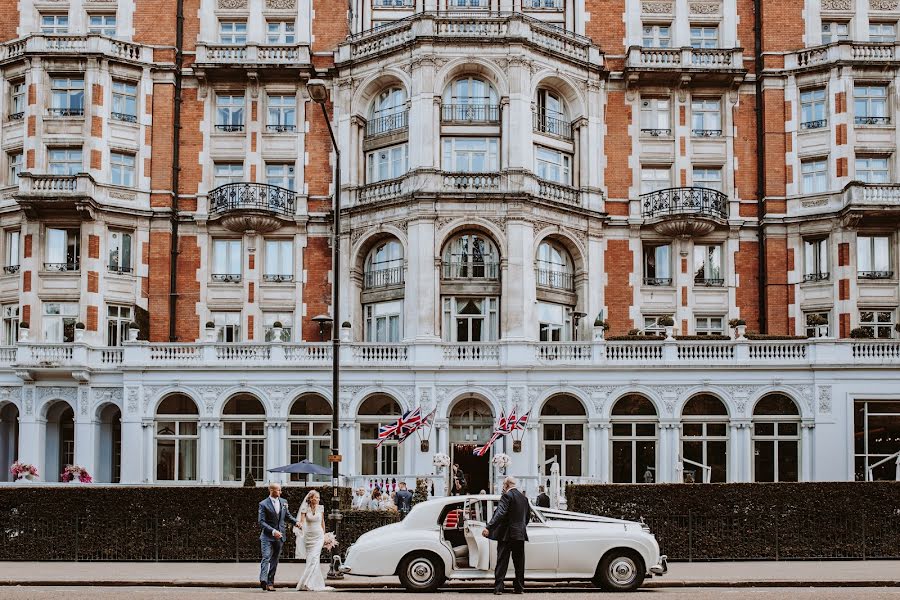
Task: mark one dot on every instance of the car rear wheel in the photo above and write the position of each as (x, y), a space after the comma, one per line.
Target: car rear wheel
(620, 571)
(422, 572)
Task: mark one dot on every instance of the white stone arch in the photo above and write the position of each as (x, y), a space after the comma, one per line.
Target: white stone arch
(572, 244)
(369, 88)
(162, 395)
(443, 236)
(589, 409)
(11, 397)
(365, 243)
(464, 393)
(711, 390)
(471, 66)
(640, 390)
(795, 396)
(258, 393)
(367, 392)
(295, 394)
(50, 401)
(566, 86)
(101, 406)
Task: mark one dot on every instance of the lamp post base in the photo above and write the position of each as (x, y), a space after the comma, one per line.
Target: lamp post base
(335, 571)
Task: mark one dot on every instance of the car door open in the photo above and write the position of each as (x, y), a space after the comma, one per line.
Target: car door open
(479, 546)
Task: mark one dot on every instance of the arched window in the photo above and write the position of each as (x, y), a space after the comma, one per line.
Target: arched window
(59, 443)
(776, 439)
(375, 411)
(109, 445)
(388, 112)
(550, 115)
(554, 267)
(470, 99)
(635, 430)
(471, 256)
(704, 439)
(310, 433)
(176, 439)
(562, 423)
(9, 438)
(384, 265)
(243, 438)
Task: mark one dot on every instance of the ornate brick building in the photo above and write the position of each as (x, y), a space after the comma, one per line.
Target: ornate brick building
(516, 173)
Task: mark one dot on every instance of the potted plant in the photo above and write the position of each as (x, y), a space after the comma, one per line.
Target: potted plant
(277, 329)
(210, 331)
(24, 331)
(739, 326)
(862, 333)
(345, 331)
(669, 323)
(819, 322)
(23, 471)
(133, 331)
(73, 472)
(601, 325)
(79, 331)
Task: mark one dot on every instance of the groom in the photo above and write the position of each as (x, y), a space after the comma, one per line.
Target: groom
(273, 512)
(509, 527)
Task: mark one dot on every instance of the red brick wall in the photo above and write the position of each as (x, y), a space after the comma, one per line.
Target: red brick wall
(158, 297)
(161, 139)
(843, 289)
(774, 149)
(619, 293)
(317, 291)
(776, 286)
(319, 171)
(746, 262)
(10, 21)
(745, 154)
(91, 321)
(93, 283)
(329, 25)
(845, 325)
(93, 246)
(843, 254)
(26, 282)
(618, 149)
(26, 250)
(782, 26)
(607, 28)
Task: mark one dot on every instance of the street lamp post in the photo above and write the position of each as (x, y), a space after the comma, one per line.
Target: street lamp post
(318, 92)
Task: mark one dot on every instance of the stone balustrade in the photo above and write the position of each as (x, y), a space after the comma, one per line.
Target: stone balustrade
(843, 51)
(725, 59)
(76, 45)
(241, 55)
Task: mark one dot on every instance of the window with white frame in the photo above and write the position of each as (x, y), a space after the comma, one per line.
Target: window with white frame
(704, 36)
(818, 323)
(709, 325)
(815, 251)
(634, 435)
(58, 322)
(471, 255)
(386, 163)
(281, 175)
(872, 169)
(879, 322)
(118, 318)
(657, 264)
(654, 178)
(814, 175)
(873, 257)
(563, 421)
(287, 325)
(280, 32)
(553, 165)
(470, 100)
(876, 429)
(656, 117)
(102, 24)
(553, 267)
(656, 35)
(124, 101)
(776, 439)
(63, 249)
(554, 322)
(282, 113)
(12, 251)
(227, 261)
(813, 109)
(16, 100)
(233, 32)
(243, 439)
(10, 324)
(309, 435)
(551, 114)
(543, 4)
(870, 105)
(652, 325)
(706, 117)
(16, 163)
(378, 457)
(55, 24)
(882, 33)
(120, 251)
(279, 265)
(471, 319)
(708, 177)
(708, 265)
(389, 112)
(227, 326)
(383, 321)
(121, 167)
(704, 440)
(835, 31)
(470, 155)
(65, 161)
(469, 3)
(67, 96)
(225, 173)
(230, 112)
(177, 438)
(384, 265)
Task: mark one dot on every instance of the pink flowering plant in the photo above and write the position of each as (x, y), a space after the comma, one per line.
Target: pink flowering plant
(73, 471)
(330, 541)
(20, 470)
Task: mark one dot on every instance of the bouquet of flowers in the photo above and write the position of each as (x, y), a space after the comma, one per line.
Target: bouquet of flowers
(330, 541)
(20, 470)
(72, 471)
(501, 461)
(441, 460)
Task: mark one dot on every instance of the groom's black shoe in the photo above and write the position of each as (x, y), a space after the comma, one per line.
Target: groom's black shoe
(262, 585)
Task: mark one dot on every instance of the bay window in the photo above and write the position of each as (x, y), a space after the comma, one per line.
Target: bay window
(65, 161)
(870, 105)
(814, 174)
(470, 155)
(553, 165)
(121, 167)
(384, 265)
(15, 167)
(17, 100)
(388, 112)
(812, 109)
(386, 163)
(815, 257)
(872, 169)
(67, 96)
(383, 320)
(124, 101)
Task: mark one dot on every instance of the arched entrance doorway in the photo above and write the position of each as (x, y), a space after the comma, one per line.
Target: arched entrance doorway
(471, 425)
(59, 451)
(9, 438)
(109, 445)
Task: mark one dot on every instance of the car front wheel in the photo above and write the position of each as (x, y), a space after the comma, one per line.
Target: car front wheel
(620, 571)
(422, 573)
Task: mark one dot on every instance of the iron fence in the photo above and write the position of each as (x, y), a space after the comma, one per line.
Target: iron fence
(701, 201)
(252, 196)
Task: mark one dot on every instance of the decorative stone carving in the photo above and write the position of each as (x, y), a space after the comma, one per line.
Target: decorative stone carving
(705, 8)
(121, 195)
(83, 400)
(443, 222)
(825, 399)
(499, 222)
(837, 5)
(534, 391)
(883, 4)
(6, 393)
(28, 400)
(357, 234)
(133, 395)
(107, 395)
(807, 392)
(276, 394)
(657, 7)
(232, 4)
(407, 394)
(281, 4)
(209, 394)
(69, 394)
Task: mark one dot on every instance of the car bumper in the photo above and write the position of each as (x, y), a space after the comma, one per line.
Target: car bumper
(662, 567)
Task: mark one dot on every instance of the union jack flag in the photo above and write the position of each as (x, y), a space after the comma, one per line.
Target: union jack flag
(403, 428)
(505, 426)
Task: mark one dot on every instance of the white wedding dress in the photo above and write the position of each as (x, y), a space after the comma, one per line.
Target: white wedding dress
(312, 540)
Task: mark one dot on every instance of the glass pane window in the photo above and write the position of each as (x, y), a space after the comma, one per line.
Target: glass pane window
(232, 32)
(118, 318)
(227, 260)
(470, 91)
(870, 105)
(228, 173)
(287, 325)
(15, 167)
(706, 118)
(554, 322)
(102, 24)
(58, 321)
(883, 33)
(818, 323)
(227, 326)
(244, 450)
(122, 168)
(386, 163)
(872, 169)
(471, 256)
(634, 436)
(814, 176)
(876, 431)
(124, 101)
(65, 161)
(12, 251)
(812, 109)
(708, 264)
(54, 24)
(383, 320)
(470, 155)
(879, 322)
(707, 325)
(656, 36)
(282, 113)
(66, 96)
(873, 256)
(120, 252)
(63, 249)
(280, 32)
(707, 177)
(776, 442)
(656, 117)
(554, 267)
(384, 265)
(655, 178)
(815, 255)
(553, 165)
(281, 175)
(176, 444)
(17, 99)
(470, 319)
(704, 449)
(835, 31)
(10, 324)
(279, 260)
(230, 112)
(704, 36)
(652, 325)
(657, 264)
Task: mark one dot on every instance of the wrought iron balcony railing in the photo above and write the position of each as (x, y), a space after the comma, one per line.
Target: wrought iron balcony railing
(657, 132)
(542, 4)
(707, 282)
(555, 279)
(552, 124)
(11, 269)
(816, 124)
(379, 278)
(387, 123)
(456, 269)
(226, 277)
(470, 113)
(872, 120)
(61, 267)
(120, 269)
(126, 117)
(393, 3)
(874, 274)
(680, 201)
(17, 116)
(658, 281)
(278, 278)
(252, 196)
(280, 128)
(230, 128)
(821, 276)
(66, 112)
(706, 132)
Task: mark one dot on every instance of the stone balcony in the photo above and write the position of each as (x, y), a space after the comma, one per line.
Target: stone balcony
(248, 206)
(212, 57)
(42, 195)
(685, 211)
(480, 27)
(723, 66)
(843, 52)
(856, 200)
(76, 46)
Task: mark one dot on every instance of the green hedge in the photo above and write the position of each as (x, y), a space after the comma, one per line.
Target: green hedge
(150, 523)
(738, 521)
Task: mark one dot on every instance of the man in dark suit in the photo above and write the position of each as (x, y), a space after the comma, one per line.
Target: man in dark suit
(509, 527)
(403, 499)
(273, 513)
(542, 500)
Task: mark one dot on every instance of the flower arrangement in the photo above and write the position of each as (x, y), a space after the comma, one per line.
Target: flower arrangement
(330, 541)
(441, 460)
(72, 471)
(501, 461)
(21, 470)
(816, 319)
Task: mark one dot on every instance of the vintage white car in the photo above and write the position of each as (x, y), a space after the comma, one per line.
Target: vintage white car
(442, 539)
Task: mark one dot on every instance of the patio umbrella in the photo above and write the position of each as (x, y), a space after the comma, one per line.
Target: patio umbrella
(305, 467)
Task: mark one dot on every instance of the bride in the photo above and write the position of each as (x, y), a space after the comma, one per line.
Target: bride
(310, 531)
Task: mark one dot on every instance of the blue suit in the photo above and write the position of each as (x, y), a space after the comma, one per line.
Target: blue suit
(269, 523)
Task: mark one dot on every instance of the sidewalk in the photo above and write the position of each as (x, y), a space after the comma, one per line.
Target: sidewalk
(872, 573)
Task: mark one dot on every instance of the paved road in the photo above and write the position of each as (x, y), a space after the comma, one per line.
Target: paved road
(150, 593)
